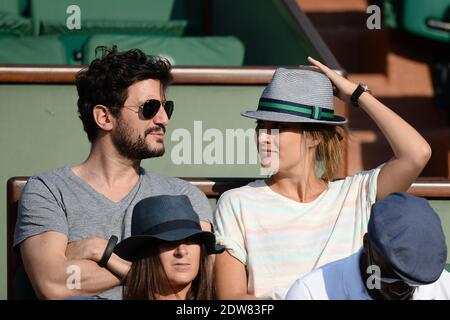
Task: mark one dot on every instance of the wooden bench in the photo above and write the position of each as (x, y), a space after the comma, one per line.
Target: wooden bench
(212, 187)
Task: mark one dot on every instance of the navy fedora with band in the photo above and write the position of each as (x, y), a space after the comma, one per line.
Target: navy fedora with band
(297, 95)
(167, 218)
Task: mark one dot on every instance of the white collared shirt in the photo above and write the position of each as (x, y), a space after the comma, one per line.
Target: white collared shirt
(341, 280)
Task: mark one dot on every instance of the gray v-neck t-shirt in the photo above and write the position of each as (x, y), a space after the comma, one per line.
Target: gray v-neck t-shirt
(61, 201)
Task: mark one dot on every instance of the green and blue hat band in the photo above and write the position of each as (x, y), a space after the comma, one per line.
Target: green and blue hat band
(303, 110)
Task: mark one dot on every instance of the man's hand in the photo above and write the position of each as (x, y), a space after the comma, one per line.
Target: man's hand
(90, 249)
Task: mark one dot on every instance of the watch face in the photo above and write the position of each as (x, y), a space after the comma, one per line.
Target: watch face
(366, 87)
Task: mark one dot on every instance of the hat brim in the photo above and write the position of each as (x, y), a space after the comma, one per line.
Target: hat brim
(411, 281)
(130, 248)
(284, 117)
(403, 275)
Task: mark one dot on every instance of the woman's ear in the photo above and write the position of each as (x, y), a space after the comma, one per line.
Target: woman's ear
(103, 117)
(312, 141)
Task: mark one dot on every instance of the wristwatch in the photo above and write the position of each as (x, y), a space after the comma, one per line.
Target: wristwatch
(360, 89)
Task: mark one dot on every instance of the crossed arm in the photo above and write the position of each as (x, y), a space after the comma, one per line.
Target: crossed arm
(48, 259)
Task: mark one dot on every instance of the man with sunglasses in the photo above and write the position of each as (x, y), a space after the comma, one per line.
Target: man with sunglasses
(70, 218)
(402, 258)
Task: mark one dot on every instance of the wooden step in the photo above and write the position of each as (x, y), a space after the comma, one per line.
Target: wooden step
(332, 5)
(356, 49)
(342, 25)
(405, 77)
(417, 111)
(368, 148)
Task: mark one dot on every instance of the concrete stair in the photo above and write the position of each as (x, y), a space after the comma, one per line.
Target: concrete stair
(397, 69)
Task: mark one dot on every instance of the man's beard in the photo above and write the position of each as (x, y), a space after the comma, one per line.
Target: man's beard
(135, 150)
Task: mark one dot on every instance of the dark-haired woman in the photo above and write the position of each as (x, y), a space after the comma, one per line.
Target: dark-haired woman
(175, 270)
(169, 252)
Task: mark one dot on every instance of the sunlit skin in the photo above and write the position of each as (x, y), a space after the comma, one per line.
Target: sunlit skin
(106, 170)
(283, 147)
(151, 130)
(180, 261)
(283, 141)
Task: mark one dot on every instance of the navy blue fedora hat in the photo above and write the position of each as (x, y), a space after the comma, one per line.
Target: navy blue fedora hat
(165, 217)
(407, 232)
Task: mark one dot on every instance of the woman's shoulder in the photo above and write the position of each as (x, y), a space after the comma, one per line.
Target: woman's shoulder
(244, 191)
(358, 176)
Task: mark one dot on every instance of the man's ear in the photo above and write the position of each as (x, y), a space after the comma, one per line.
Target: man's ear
(103, 117)
(365, 241)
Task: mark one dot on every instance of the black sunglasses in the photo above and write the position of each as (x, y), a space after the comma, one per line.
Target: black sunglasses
(150, 108)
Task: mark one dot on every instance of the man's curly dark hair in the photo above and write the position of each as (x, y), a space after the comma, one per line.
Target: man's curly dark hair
(106, 80)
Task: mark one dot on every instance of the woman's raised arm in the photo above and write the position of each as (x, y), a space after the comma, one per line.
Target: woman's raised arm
(411, 151)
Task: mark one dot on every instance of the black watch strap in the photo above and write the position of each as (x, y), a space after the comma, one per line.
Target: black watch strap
(356, 94)
(108, 251)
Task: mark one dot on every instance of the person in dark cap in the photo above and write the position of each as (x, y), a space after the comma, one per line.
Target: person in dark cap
(169, 251)
(403, 258)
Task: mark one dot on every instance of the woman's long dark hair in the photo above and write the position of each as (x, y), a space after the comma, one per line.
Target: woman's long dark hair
(147, 279)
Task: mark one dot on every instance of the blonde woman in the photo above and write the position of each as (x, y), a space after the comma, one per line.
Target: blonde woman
(279, 229)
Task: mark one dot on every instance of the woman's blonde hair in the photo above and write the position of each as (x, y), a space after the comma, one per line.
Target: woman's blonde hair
(329, 151)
